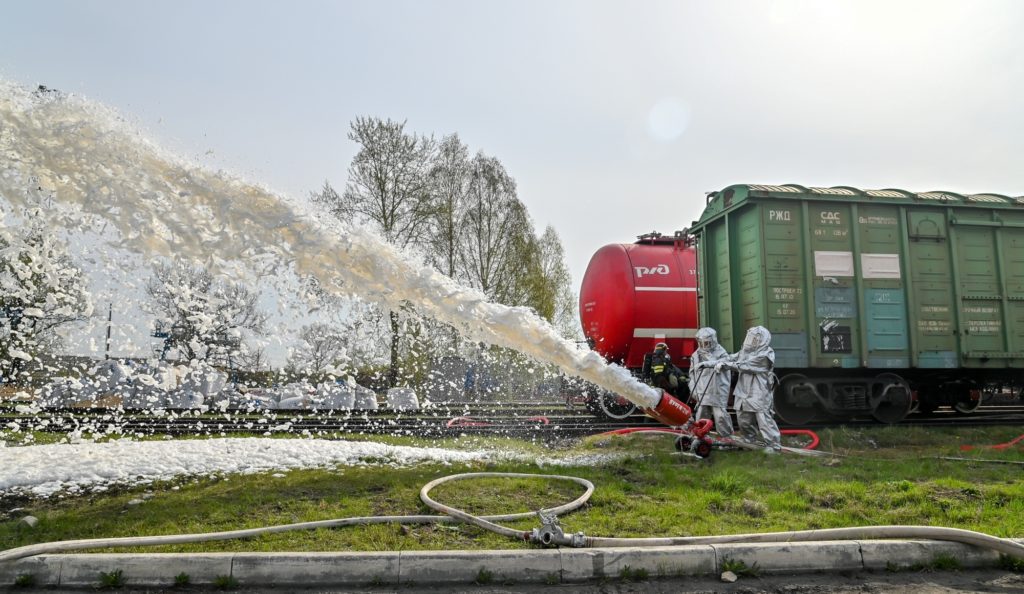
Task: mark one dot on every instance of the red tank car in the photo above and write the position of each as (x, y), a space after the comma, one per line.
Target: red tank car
(637, 295)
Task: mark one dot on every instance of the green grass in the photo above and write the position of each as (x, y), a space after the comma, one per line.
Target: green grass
(879, 476)
(630, 574)
(484, 577)
(740, 568)
(941, 562)
(225, 582)
(1011, 564)
(112, 580)
(946, 562)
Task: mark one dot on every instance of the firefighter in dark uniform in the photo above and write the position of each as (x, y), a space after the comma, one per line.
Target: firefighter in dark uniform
(664, 374)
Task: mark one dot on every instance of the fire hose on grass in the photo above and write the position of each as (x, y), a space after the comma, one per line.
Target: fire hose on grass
(666, 409)
(549, 534)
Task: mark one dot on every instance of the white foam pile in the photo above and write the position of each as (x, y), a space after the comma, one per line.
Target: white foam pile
(88, 163)
(45, 470)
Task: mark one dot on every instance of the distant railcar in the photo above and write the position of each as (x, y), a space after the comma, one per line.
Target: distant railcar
(877, 300)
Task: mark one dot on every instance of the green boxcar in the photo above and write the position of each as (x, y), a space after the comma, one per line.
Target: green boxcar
(877, 300)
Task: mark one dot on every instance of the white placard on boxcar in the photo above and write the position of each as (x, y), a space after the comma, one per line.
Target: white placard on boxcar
(880, 265)
(833, 263)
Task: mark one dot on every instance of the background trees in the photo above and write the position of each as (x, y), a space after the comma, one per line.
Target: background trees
(322, 348)
(463, 214)
(389, 188)
(450, 176)
(388, 184)
(549, 284)
(496, 233)
(202, 318)
(40, 291)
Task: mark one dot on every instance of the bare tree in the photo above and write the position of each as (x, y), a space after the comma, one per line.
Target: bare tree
(464, 213)
(322, 348)
(201, 318)
(388, 187)
(450, 177)
(255, 359)
(40, 291)
(555, 297)
(388, 183)
(502, 255)
(496, 230)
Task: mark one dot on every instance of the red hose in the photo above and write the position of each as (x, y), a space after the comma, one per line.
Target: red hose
(814, 436)
(466, 422)
(470, 422)
(626, 430)
(998, 446)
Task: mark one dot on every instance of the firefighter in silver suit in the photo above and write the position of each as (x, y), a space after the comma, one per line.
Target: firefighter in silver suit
(709, 387)
(754, 387)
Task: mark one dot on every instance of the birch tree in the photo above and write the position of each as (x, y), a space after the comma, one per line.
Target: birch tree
(496, 228)
(556, 298)
(450, 177)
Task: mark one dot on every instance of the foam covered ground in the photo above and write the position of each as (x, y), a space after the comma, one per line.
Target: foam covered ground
(45, 470)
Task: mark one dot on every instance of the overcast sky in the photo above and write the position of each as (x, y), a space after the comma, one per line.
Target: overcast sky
(613, 117)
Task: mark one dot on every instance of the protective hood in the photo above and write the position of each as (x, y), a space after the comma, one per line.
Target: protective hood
(707, 341)
(758, 341)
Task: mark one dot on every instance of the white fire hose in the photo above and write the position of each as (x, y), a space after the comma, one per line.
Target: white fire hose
(549, 534)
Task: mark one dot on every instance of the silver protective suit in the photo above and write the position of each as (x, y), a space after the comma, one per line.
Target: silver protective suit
(753, 393)
(709, 387)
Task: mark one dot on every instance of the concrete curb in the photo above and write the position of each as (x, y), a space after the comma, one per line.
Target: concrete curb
(466, 567)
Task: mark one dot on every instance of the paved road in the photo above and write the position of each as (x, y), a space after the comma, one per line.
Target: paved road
(927, 582)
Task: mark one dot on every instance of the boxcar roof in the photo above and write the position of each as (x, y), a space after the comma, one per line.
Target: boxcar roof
(735, 194)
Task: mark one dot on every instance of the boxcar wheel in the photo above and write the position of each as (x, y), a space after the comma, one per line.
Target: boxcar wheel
(796, 400)
(891, 398)
(966, 404)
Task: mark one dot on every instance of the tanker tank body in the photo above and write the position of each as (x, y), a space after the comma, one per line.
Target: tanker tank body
(636, 295)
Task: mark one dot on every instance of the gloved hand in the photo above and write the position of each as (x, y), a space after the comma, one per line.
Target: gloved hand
(719, 365)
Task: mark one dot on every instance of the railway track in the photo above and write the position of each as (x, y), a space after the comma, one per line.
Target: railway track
(517, 419)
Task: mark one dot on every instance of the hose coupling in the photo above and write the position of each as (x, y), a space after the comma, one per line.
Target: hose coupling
(550, 534)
